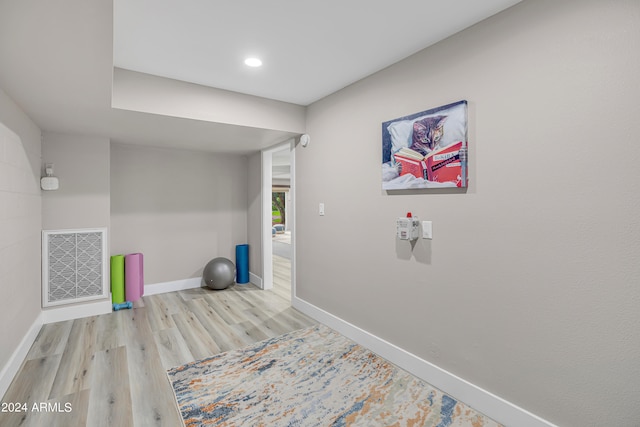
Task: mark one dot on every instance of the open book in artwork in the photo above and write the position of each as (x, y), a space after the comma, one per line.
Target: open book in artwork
(426, 149)
(446, 164)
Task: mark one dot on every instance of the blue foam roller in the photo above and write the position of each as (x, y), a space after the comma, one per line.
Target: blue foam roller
(242, 263)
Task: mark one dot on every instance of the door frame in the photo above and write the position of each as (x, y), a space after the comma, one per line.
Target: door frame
(266, 220)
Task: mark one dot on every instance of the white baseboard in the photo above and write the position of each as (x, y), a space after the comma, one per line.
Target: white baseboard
(176, 285)
(181, 285)
(11, 368)
(61, 314)
(479, 399)
(256, 280)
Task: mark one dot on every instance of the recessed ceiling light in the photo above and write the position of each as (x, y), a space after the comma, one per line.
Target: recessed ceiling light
(253, 62)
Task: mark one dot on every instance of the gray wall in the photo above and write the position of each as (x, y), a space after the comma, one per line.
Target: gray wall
(81, 164)
(529, 288)
(179, 208)
(254, 214)
(20, 222)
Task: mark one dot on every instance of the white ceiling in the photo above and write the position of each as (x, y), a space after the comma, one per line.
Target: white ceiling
(57, 58)
(309, 49)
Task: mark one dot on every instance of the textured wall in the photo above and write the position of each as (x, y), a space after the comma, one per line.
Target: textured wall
(529, 286)
(20, 225)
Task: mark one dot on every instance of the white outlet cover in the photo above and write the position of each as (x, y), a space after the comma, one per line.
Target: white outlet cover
(427, 230)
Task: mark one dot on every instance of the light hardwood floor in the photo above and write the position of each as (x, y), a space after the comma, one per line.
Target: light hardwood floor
(110, 370)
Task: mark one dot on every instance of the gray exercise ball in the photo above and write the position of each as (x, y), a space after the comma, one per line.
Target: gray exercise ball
(219, 273)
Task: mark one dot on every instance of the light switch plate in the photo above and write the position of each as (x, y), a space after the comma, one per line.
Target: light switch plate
(427, 230)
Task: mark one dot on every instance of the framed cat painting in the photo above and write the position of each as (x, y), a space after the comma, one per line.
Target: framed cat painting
(426, 149)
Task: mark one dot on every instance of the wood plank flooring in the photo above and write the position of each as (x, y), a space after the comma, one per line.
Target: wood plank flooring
(110, 370)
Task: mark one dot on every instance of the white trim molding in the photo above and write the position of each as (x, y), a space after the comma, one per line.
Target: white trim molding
(78, 311)
(176, 285)
(11, 368)
(255, 279)
(183, 285)
(477, 398)
(266, 223)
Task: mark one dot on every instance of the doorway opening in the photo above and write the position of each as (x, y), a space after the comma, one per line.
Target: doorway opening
(278, 236)
(281, 238)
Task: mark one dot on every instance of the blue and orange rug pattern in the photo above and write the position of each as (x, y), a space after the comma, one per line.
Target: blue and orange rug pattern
(311, 377)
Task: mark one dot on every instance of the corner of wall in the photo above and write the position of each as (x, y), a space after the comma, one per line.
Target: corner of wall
(21, 222)
(10, 369)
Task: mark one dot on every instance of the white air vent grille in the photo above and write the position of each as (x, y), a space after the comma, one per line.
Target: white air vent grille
(73, 266)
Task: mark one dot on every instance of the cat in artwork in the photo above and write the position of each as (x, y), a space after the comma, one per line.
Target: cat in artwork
(427, 133)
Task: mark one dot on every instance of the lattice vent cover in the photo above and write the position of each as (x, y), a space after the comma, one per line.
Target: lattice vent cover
(74, 266)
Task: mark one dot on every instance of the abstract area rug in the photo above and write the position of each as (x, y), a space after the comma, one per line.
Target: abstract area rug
(311, 377)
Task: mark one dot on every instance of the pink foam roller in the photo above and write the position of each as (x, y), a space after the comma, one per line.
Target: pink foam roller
(133, 276)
